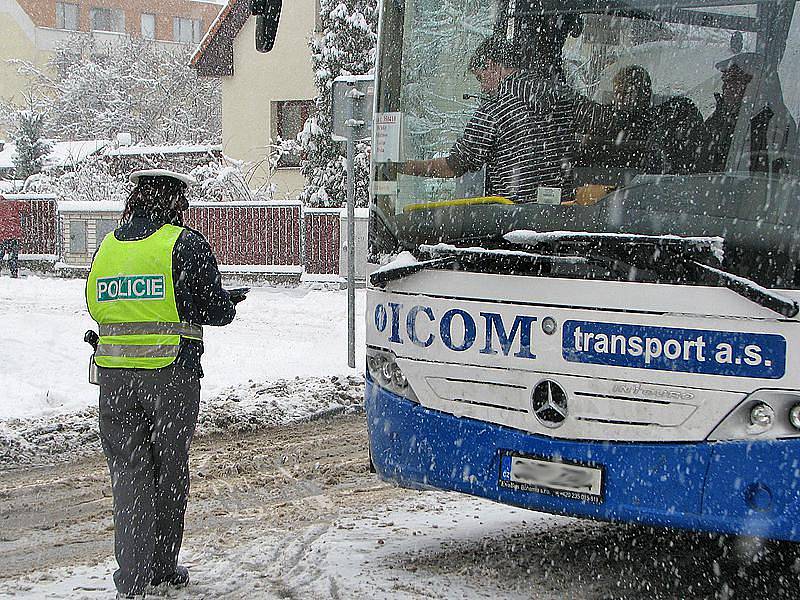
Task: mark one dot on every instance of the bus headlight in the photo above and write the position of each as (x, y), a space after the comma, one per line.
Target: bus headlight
(794, 416)
(399, 379)
(383, 369)
(761, 418)
(387, 371)
(766, 414)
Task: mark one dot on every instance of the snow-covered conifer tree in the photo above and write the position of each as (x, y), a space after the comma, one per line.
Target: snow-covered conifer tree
(31, 149)
(345, 46)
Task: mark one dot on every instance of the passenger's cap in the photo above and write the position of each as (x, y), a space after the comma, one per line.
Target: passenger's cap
(187, 180)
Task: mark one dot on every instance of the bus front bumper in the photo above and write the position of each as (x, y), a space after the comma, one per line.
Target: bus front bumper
(741, 487)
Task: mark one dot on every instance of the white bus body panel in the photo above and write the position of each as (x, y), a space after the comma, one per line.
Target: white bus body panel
(605, 402)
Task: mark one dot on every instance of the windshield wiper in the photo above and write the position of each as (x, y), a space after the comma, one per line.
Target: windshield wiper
(752, 291)
(447, 255)
(383, 276)
(663, 254)
(685, 246)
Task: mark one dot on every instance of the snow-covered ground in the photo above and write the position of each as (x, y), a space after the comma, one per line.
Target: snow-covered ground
(279, 333)
(377, 554)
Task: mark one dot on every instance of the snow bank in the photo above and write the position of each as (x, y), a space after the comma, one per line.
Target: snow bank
(279, 333)
(241, 408)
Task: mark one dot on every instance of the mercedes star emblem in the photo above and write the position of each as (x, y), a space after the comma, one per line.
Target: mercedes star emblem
(549, 402)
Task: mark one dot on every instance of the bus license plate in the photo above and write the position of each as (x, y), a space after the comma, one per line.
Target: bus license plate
(565, 480)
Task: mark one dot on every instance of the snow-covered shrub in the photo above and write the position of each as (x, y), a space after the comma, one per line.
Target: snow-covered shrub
(220, 183)
(92, 180)
(93, 90)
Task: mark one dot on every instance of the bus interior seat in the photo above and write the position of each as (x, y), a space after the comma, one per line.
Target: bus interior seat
(676, 138)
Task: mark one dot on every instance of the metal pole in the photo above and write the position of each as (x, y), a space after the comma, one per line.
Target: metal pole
(351, 247)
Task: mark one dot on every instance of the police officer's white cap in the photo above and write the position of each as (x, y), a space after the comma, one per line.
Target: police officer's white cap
(187, 180)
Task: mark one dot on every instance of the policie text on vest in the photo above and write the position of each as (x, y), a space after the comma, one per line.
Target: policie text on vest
(130, 287)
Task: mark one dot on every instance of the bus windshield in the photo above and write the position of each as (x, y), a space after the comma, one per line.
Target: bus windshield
(674, 118)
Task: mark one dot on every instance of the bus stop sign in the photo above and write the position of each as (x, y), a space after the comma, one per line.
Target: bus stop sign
(353, 96)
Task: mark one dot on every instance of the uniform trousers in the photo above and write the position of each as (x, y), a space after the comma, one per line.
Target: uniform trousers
(147, 420)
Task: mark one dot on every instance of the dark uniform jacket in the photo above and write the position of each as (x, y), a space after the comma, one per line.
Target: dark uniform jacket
(199, 294)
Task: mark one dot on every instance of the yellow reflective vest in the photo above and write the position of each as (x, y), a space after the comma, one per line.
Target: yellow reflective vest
(131, 295)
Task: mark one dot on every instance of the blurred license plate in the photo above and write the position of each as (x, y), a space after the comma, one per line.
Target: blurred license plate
(566, 480)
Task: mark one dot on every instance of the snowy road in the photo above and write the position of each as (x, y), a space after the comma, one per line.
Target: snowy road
(293, 512)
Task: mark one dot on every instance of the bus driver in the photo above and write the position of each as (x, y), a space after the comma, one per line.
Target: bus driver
(523, 132)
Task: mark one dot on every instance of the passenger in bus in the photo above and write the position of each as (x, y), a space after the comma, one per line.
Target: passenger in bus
(616, 134)
(523, 131)
(765, 132)
(629, 115)
(675, 140)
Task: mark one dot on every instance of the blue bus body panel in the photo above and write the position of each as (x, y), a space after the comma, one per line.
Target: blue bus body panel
(701, 486)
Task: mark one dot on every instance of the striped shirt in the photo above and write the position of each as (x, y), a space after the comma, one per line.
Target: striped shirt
(525, 136)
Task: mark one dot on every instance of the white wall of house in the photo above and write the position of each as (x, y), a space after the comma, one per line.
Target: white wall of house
(17, 41)
(260, 80)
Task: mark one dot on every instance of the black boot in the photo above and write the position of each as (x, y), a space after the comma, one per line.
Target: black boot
(180, 578)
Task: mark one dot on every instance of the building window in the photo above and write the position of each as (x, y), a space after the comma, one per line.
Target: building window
(148, 26)
(102, 228)
(289, 117)
(77, 237)
(107, 19)
(187, 31)
(67, 16)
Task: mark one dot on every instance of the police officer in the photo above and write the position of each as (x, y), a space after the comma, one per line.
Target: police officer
(153, 284)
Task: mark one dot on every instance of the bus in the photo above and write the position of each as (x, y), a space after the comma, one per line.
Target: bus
(612, 339)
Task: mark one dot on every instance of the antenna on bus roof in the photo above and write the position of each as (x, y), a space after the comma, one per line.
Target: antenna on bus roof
(268, 15)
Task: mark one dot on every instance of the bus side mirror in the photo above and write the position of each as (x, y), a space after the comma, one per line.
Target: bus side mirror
(268, 15)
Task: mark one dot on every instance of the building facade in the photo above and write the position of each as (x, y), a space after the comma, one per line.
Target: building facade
(183, 21)
(265, 97)
(31, 29)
